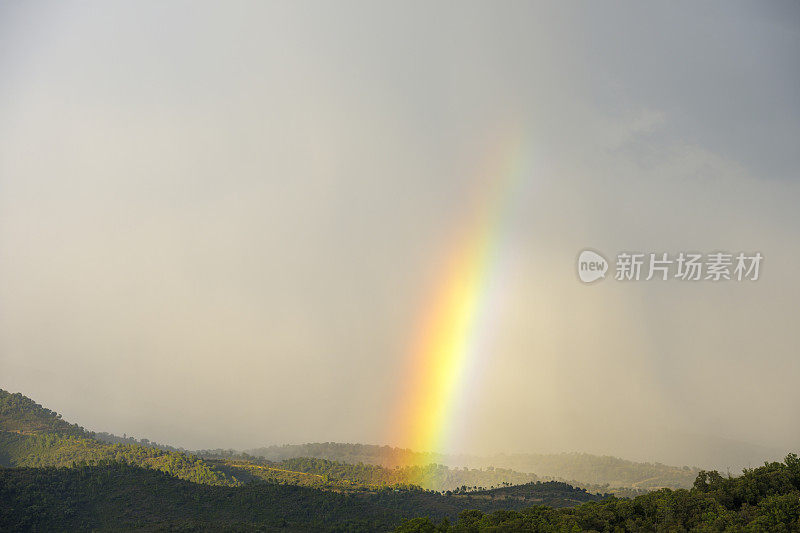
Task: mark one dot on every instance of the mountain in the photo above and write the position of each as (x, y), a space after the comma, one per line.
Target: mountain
(56, 476)
(34, 436)
(28, 422)
(325, 472)
(761, 499)
(597, 472)
(117, 496)
(20, 414)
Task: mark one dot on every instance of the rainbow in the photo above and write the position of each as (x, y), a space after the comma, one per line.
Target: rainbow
(450, 346)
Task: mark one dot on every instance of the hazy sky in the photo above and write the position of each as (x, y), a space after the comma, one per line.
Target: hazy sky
(220, 224)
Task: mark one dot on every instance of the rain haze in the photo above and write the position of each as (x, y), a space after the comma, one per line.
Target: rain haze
(223, 225)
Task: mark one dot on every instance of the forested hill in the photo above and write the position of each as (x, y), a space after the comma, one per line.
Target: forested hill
(762, 499)
(116, 496)
(590, 470)
(63, 479)
(22, 415)
(323, 473)
(34, 436)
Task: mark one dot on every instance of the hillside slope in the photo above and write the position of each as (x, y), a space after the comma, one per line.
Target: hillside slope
(34, 436)
(20, 414)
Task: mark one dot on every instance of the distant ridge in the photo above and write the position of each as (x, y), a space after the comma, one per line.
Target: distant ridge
(583, 468)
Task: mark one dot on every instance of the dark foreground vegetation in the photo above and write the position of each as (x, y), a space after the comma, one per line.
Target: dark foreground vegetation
(762, 499)
(113, 496)
(116, 496)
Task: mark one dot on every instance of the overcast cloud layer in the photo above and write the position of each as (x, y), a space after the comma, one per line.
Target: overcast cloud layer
(220, 225)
